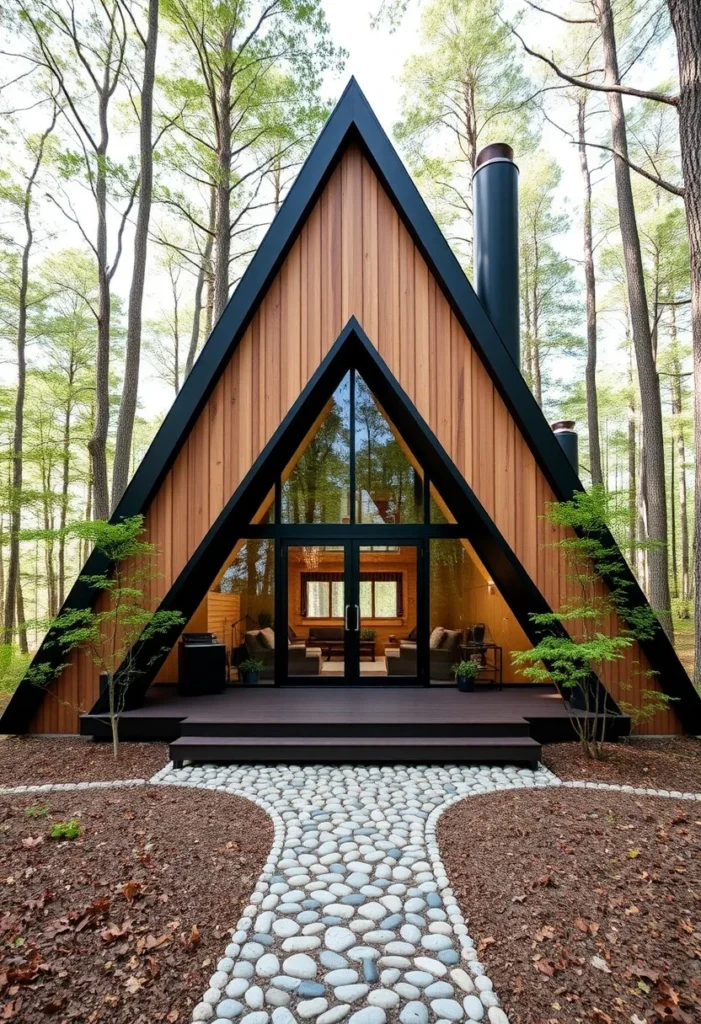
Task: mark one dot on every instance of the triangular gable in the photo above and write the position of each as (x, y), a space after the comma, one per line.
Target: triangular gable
(353, 122)
(352, 350)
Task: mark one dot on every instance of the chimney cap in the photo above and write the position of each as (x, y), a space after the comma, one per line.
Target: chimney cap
(562, 425)
(494, 151)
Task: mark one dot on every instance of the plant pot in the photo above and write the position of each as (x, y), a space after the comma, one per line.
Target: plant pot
(466, 684)
(250, 677)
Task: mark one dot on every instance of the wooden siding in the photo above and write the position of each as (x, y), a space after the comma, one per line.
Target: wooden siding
(354, 256)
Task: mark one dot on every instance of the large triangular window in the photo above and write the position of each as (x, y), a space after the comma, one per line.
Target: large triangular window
(352, 466)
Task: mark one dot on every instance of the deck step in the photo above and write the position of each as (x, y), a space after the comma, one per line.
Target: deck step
(393, 749)
(513, 726)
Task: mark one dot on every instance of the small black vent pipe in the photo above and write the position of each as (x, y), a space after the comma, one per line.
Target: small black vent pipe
(495, 241)
(569, 442)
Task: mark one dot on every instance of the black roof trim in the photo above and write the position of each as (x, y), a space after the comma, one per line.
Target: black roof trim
(353, 118)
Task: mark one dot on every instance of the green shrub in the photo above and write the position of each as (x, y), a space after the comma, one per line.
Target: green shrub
(36, 811)
(66, 829)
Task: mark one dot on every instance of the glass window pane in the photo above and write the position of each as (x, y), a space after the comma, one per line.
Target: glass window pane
(316, 484)
(439, 510)
(385, 599)
(366, 599)
(337, 599)
(389, 488)
(317, 599)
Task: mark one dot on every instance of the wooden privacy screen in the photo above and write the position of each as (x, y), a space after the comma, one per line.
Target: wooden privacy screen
(354, 256)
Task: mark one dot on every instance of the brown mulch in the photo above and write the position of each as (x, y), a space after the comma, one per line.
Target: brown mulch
(127, 922)
(32, 760)
(673, 763)
(586, 904)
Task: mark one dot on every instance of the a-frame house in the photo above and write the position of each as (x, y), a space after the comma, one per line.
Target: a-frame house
(350, 488)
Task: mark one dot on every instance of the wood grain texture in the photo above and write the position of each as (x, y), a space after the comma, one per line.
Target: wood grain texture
(354, 256)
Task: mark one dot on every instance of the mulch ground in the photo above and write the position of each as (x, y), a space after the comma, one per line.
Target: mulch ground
(587, 904)
(27, 760)
(125, 923)
(673, 763)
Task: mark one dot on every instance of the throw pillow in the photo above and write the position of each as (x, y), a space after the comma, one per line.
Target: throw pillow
(436, 638)
(267, 638)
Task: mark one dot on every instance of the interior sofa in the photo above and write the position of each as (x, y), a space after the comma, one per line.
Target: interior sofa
(328, 638)
(302, 660)
(442, 653)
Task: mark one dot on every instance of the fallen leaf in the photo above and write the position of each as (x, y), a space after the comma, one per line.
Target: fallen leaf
(133, 984)
(132, 889)
(633, 854)
(29, 843)
(194, 936)
(600, 964)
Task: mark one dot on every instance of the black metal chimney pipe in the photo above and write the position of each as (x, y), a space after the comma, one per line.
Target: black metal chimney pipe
(569, 442)
(495, 245)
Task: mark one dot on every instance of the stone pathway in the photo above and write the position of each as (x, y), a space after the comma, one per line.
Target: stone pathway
(353, 917)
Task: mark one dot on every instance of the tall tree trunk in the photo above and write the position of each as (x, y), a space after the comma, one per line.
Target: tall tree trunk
(673, 519)
(590, 279)
(21, 620)
(632, 479)
(97, 445)
(205, 273)
(65, 484)
(652, 433)
(132, 357)
(686, 22)
(678, 429)
(223, 228)
(12, 585)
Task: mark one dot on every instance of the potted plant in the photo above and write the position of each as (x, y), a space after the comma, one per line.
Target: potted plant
(367, 634)
(465, 675)
(250, 670)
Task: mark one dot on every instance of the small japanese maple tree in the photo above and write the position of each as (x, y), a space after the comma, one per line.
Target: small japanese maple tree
(576, 640)
(109, 630)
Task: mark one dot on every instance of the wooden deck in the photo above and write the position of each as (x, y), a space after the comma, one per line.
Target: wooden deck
(335, 723)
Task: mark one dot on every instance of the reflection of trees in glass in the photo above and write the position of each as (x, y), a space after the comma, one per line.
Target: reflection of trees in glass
(317, 489)
(388, 487)
(448, 573)
(251, 575)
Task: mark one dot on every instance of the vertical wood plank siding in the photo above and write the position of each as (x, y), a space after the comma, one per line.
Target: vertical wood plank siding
(354, 256)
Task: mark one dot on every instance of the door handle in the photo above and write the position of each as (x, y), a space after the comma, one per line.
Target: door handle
(345, 619)
(357, 618)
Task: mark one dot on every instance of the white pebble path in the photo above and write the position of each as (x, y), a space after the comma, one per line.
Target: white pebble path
(259, 980)
(353, 918)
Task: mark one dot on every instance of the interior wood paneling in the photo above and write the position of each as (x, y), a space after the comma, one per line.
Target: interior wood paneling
(354, 257)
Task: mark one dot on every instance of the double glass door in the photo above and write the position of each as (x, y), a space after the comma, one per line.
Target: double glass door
(352, 610)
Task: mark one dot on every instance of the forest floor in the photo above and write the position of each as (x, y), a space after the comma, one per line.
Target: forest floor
(586, 904)
(33, 760)
(126, 922)
(673, 763)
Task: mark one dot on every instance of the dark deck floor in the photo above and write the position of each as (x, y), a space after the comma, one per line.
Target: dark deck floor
(367, 723)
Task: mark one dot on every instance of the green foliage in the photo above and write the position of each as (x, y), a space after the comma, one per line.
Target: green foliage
(577, 641)
(651, 702)
(110, 632)
(66, 830)
(36, 811)
(466, 669)
(13, 666)
(367, 634)
(251, 665)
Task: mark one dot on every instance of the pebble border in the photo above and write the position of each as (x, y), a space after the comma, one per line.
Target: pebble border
(356, 795)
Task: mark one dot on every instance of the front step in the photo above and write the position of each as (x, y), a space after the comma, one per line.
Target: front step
(357, 749)
(514, 727)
